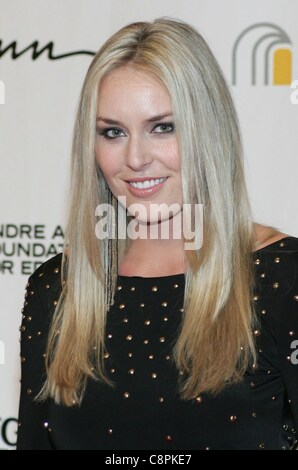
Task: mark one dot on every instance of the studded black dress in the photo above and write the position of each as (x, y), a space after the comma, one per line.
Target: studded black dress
(143, 410)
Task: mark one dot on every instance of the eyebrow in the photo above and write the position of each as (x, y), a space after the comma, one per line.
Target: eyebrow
(152, 119)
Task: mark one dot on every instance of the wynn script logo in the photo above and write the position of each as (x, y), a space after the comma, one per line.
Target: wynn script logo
(37, 50)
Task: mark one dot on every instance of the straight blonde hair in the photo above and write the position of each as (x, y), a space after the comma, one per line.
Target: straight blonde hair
(215, 345)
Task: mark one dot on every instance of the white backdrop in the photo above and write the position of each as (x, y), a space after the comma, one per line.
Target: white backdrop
(38, 98)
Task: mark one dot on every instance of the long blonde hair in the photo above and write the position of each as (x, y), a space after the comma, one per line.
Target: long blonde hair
(215, 344)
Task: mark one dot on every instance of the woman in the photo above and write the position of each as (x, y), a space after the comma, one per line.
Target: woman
(141, 342)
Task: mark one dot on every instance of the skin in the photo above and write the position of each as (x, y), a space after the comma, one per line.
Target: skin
(141, 147)
(135, 145)
(263, 236)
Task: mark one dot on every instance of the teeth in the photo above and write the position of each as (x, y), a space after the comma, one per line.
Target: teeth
(146, 184)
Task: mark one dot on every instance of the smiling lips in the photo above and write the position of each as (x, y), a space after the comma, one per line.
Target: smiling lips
(145, 186)
(147, 183)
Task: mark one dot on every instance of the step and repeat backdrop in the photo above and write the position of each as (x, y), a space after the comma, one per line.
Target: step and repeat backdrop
(46, 47)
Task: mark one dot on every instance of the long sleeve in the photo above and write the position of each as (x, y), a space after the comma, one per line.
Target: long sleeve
(33, 432)
(259, 413)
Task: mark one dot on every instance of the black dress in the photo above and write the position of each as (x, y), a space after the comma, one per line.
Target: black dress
(143, 410)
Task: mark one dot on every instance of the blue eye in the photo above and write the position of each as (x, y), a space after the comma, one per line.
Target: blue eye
(111, 133)
(164, 128)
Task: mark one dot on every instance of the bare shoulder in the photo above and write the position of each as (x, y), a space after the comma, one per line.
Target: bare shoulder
(265, 235)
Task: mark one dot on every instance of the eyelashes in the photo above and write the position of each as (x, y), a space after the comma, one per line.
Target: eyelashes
(112, 133)
(166, 128)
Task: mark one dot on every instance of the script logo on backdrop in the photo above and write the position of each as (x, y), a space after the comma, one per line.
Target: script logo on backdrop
(37, 50)
(269, 52)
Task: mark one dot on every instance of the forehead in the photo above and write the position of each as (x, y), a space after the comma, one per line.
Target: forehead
(130, 84)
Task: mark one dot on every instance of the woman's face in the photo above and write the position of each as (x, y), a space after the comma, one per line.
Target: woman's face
(136, 145)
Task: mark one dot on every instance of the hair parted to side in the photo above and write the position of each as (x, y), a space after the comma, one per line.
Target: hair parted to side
(215, 345)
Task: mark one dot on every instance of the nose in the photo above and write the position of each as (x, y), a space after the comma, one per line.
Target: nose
(138, 154)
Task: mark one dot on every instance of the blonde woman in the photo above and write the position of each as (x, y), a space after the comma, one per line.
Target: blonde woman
(144, 342)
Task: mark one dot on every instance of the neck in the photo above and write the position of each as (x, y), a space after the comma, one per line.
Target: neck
(152, 254)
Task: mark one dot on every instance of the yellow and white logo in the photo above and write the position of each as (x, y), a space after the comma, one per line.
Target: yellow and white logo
(269, 51)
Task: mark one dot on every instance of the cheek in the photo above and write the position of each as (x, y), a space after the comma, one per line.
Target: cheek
(170, 155)
(105, 162)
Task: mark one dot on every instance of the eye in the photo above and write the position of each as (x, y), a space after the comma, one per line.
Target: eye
(111, 132)
(164, 128)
